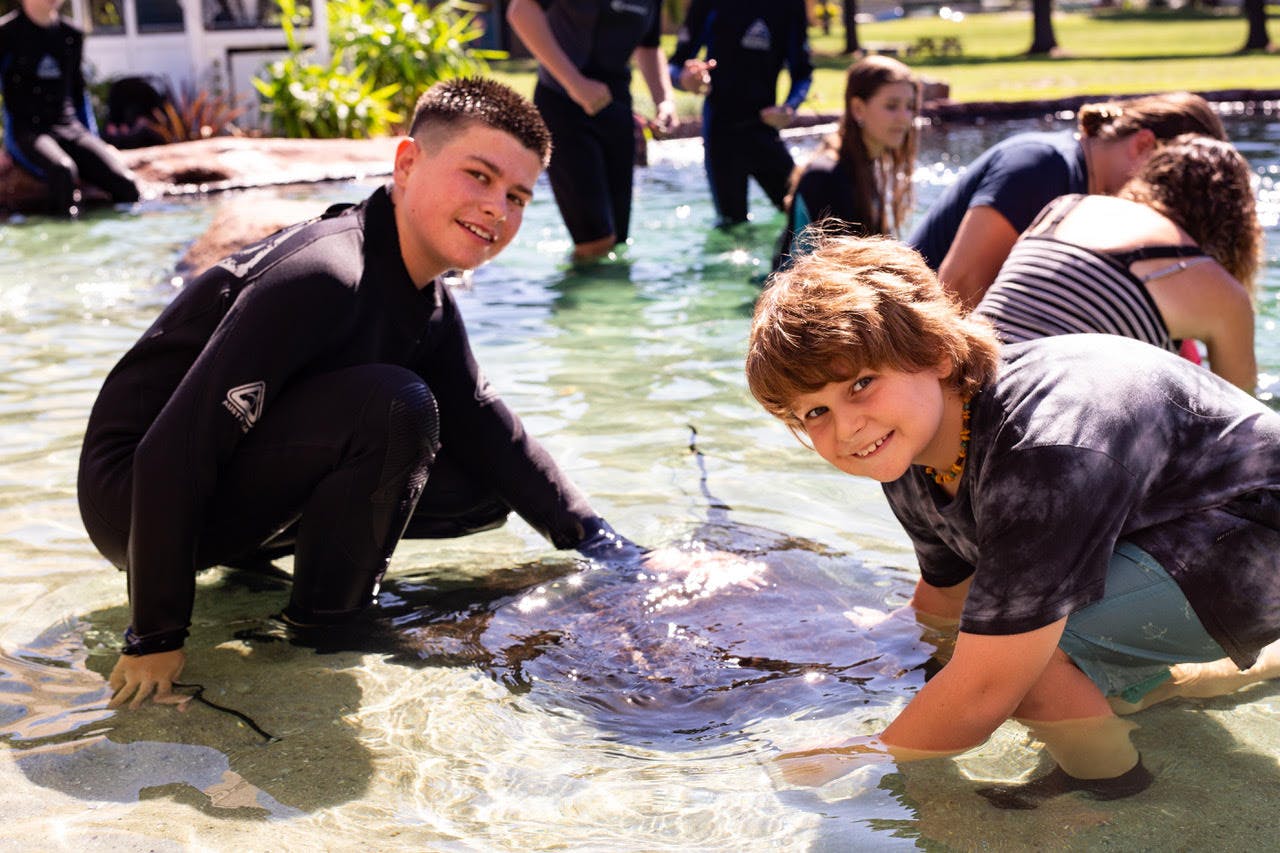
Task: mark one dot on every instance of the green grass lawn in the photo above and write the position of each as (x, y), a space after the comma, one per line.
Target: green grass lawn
(1116, 53)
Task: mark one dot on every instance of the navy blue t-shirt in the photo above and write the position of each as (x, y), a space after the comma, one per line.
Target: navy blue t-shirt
(1086, 440)
(599, 37)
(1017, 177)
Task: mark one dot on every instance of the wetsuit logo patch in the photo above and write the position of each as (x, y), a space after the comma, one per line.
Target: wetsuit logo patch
(622, 8)
(757, 36)
(245, 402)
(48, 68)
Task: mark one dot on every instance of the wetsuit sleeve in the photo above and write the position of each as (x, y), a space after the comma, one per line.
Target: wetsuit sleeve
(490, 443)
(799, 60)
(690, 40)
(79, 90)
(267, 335)
(653, 35)
(1021, 180)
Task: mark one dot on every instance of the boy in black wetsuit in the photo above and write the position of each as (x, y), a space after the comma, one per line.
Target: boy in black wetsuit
(747, 44)
(315, 393)
(48, 127)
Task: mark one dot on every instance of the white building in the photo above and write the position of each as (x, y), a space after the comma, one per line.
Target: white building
(219, 45)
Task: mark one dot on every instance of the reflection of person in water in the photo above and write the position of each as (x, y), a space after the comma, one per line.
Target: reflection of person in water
(316, 394)
(1102, 518)
(49, 127)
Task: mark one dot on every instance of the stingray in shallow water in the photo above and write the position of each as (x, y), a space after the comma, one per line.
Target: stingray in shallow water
(676, 659)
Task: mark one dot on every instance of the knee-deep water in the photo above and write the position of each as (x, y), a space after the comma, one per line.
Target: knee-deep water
(504, 696)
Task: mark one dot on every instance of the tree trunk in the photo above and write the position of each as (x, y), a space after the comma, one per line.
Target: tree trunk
(1042, 38)
(849, 15)
(1255, 11)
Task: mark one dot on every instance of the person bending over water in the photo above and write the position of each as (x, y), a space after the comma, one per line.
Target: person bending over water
(968, 232)
(315, 394)
(859, 181)
(1092, 511)
(583, 48)
(48, 125)
(1172, 256)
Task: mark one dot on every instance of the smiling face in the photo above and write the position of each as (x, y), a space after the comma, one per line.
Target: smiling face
(881, 422)
(885, 117)
(460, 197)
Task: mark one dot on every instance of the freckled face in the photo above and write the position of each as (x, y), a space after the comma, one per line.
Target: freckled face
(885, 117)
(460, 201)
(879, 423)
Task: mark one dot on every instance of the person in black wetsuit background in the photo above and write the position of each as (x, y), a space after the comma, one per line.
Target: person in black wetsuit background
(584, 48)
(48, 126)
(315, 393)
(747, 43)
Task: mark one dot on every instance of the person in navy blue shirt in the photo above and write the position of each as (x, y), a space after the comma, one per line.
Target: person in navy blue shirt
(968, 232)
(747, 44)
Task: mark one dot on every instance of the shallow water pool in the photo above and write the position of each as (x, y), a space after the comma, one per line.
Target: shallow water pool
(504, 697)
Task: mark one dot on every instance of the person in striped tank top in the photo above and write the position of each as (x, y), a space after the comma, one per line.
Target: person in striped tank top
(1172, 257)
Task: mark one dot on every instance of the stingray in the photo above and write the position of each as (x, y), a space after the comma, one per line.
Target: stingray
(668, 659)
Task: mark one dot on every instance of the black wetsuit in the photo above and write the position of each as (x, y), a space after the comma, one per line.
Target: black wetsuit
(593, 157)
(47, 123)
(751, 41)
(296, 397)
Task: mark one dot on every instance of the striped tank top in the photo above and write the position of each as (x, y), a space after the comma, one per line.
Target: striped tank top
(1048, 287)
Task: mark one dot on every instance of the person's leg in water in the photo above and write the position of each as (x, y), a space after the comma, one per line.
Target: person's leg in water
(99, 164)
(1206, 680)
(41, 155)
(332, 473)
(725, 160)
(1121, 646)
(1067, 712)
(583, 169)
(772, 165)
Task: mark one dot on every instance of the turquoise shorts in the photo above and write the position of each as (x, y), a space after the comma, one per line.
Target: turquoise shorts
(1126, 642)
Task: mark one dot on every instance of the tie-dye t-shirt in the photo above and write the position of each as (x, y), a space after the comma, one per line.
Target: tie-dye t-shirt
(1084, 440)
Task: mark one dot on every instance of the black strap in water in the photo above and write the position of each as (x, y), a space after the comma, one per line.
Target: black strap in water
(717, 510)
(244, 718)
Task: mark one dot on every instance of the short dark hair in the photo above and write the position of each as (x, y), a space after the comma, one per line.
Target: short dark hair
(453, 104)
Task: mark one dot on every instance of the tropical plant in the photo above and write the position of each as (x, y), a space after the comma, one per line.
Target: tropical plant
(409, 43)
(382, 57)
(302, 99)
(194, 114)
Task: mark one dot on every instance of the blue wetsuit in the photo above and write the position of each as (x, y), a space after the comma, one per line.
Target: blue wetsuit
(304, 396)
(1017, 177)
(751, 41)
(593, 157)
(48, 126)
